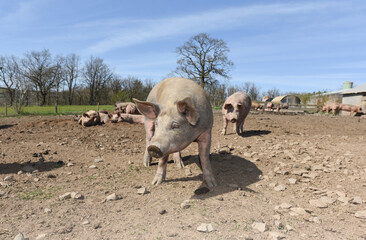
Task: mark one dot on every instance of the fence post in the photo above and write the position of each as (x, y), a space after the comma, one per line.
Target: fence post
(6, 109)
(56, 107)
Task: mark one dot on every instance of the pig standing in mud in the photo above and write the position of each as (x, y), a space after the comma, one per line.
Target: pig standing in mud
(335, 107)
(177, 112)
(235, 110)
(350, 108)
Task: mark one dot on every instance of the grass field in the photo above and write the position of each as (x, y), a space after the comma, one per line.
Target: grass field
(51, 110)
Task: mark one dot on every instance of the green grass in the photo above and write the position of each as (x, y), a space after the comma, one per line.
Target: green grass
(50, 110)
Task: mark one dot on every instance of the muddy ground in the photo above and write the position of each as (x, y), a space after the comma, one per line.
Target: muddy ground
(292, 176)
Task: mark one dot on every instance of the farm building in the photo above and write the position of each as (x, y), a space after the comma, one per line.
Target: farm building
(355, 96)
(290, 99)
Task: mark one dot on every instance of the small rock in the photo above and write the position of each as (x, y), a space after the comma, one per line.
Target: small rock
(361, 214)
(2, 193)
(65, 196)
(20, 172)
(188, 171)
(28, 168)
(142, 191)
(327, 200)
(112, 197)
(279, 224)
(289, 228)
(285, 206)
(318, 203)
(171, 234)
(93, 167)
(344, 199)
(86, 222)
(9, 178)
(41, 236)
(298, 211)
(162, 211)
(185, 204)
(220, 198)
(206, 228)
(315, 220)
(130, 162)
(260, 227)
(224, 150)
(70, 164)
(98, 160)
(36, 179)
(47, 210)
(357, 200)
(20, 236)
(275, 236)
(76, 195)
(201, 190)
(292, 181)
(50, 175)
(280, 188)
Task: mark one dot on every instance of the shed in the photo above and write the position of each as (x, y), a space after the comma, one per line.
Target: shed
(355, 96)
(290, 99)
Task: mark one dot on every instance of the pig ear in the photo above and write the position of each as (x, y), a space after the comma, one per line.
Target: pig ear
(227, 105)
(85, 115)
(187, 107)
(148, 109)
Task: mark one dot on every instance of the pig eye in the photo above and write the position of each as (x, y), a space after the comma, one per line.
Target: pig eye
(175, 125)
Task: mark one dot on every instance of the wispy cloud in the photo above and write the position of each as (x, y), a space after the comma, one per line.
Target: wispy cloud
(154, 29)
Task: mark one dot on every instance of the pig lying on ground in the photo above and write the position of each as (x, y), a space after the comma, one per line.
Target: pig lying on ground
(350, 108)
(105, 117)
(131, 109)
(130, 118)
(177, 112)
(335, 107)
(90, 118)
(122, 106)
(235, 110)
(256, 106)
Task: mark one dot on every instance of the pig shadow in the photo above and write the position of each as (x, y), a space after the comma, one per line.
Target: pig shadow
(5, 126)
(251, 133)
(8, 168)
(231, 172)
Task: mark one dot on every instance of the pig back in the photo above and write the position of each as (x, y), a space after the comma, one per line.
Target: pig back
(171, 90)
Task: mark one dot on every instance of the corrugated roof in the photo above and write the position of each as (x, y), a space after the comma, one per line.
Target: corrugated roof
(278, 99)
(359, 89)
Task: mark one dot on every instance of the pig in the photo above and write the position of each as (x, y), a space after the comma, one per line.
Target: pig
(235, 110)
(89, 118)
(177, 112)
(269, 106)
(131, 109)
(256, 106)
(350, 108)
(132, 118)
(121, 106)
(105, 117)
(282, 106)
(335, 107)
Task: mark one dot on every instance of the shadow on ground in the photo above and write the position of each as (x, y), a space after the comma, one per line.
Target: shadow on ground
(5, 126)
(8, 168)
(251, 133)
(231, 172)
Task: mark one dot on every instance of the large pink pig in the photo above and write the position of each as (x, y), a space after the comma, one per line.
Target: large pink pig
(89, 118)
(235, 110)
(335, 107)
(177, 112)
(350, 108)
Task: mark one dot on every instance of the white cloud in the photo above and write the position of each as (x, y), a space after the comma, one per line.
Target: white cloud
(151, 30)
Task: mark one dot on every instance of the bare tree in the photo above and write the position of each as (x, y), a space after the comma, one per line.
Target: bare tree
(252, 90)
(9, 69)
(58, 75)
(216, 93)
(203, 59)
(39, 68)
(96, 76)
(71, 74)
(273, 92)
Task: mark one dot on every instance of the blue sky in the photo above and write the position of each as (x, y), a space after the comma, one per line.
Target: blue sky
(300, 46)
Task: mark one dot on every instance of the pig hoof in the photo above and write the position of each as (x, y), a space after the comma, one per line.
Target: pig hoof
(147, 161)
(158, 179)
(211, 182)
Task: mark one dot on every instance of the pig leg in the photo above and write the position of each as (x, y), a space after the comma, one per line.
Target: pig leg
(242, 127)
(161, 171)
(225, 125)
(204, 144)
(178, 160)
(149, 128)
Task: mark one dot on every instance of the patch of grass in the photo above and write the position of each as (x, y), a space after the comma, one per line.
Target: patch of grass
(35, 194)
(51, 110)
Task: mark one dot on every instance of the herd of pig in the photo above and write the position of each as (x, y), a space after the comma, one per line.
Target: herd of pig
(176, 113)
(336, 107)
(124, 112)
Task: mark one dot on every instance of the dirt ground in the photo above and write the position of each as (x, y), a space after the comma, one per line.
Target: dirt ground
(288, 176)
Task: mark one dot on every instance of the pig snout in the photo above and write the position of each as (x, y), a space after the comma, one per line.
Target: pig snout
(154, 151)
(233, 120)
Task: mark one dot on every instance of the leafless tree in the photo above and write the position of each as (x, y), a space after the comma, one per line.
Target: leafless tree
(71, 74)
(252, 90)
(203, 59)
(39, 68)
(273, 92)
(96, 75)
(9, 71)
(216, 93)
